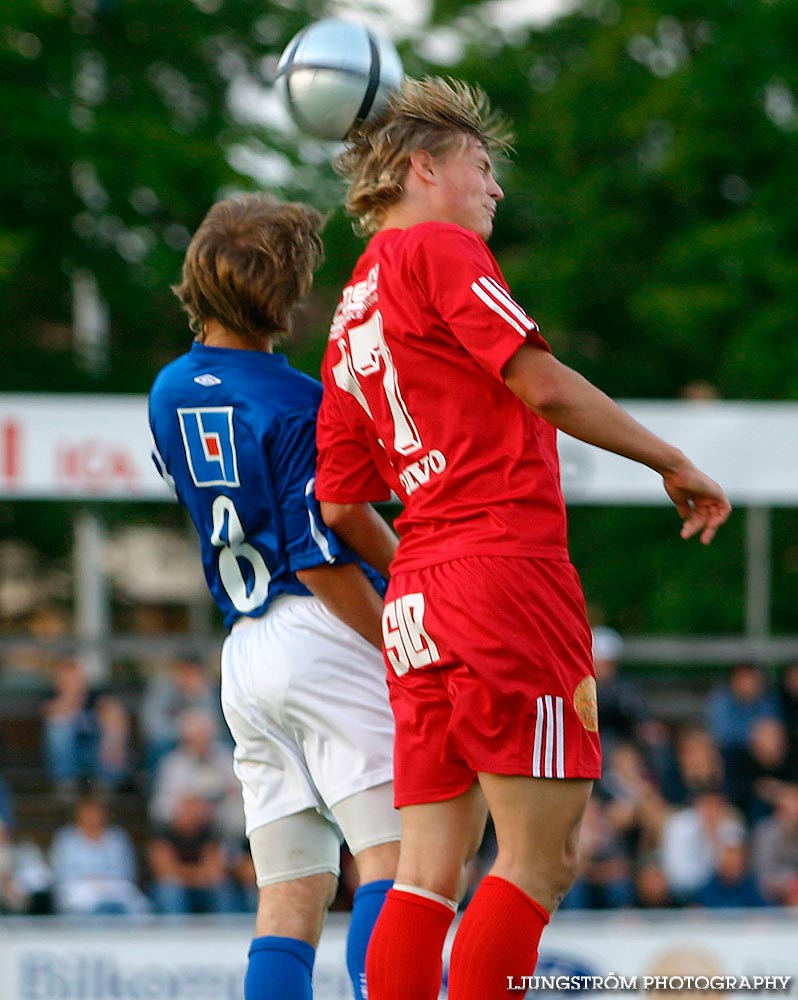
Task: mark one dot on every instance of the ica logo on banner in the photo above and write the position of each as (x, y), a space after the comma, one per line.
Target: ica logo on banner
(210, 445)
(10, 457)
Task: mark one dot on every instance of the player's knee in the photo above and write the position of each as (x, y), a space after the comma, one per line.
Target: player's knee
(377, 863)
(563, 876)
(445, 877)
(295, 908)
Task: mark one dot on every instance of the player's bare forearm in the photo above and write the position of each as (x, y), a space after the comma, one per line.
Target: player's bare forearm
(363, 530)
(568, 401)
(347, 592)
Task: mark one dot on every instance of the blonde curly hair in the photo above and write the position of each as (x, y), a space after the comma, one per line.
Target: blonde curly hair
(432, 114)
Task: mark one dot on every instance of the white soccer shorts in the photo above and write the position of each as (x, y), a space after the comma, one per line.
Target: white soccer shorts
(306, 700)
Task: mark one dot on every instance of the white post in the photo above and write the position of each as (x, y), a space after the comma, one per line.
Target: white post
(758, 572)
(92, 595)
(92, 598)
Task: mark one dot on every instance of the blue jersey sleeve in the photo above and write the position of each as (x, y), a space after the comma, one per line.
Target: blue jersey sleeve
(307, 536)
(292, 459)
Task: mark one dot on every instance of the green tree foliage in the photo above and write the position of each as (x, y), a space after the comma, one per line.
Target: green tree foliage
(652, 226)
(653, 222)
(118, 131)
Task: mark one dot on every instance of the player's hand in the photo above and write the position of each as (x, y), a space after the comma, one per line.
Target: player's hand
(700, 502)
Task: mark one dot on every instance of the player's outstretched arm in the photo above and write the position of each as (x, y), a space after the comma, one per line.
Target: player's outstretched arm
(363, 530)
(568, 401)
(346, 591)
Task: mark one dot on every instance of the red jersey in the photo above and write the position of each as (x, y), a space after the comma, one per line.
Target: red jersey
(415, 403)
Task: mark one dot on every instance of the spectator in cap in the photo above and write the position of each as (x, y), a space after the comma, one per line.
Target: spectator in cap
(623, 713)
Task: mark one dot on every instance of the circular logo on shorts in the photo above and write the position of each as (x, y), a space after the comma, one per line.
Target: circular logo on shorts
(586, 703)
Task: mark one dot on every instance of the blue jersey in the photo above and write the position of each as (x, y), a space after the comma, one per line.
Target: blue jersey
(235, 437)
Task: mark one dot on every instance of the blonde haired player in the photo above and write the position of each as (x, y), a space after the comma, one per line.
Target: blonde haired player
(439, 386)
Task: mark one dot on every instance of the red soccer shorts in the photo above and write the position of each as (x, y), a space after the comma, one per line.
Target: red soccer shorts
(489, 669)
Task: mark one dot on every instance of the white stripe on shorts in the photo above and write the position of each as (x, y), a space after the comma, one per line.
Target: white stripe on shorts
(548, 755)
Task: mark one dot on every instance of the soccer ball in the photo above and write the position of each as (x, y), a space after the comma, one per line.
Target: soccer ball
(335, 74)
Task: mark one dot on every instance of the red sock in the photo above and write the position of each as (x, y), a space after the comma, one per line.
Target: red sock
(497, 937)
(404, 954)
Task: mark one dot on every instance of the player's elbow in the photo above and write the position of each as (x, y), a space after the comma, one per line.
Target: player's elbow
(548, 404)
(543, 397)
(536, 378)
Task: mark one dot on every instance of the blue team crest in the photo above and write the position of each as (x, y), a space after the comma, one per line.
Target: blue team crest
(210, 445)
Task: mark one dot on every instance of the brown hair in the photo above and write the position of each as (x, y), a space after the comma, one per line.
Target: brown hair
(432, 114)
(250, 263)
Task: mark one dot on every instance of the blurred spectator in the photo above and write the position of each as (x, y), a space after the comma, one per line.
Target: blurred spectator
(13, 898)
(697, 763)
(202, 766)
(692, 838)
(699, 391)
(167, 694)
(35, 876)
(623, 714)
(27, 665)
(86, 732)
(188, 862)
(733, 707)
(633, 803)
(25, 878)
(6, 802)
(94, 864)
(241, 870)
(732, 884)
(6, 797)
(764, 767)
(787, 691)
(604, 876)
(775, 849)
(652, 891)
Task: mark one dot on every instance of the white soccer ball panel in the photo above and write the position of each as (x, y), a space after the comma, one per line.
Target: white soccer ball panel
(324, 76)
(333, 44)
(323, 102)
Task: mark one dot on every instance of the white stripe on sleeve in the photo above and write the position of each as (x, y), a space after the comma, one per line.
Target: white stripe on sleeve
(504, 297)
(497, 299)
(318, 536)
